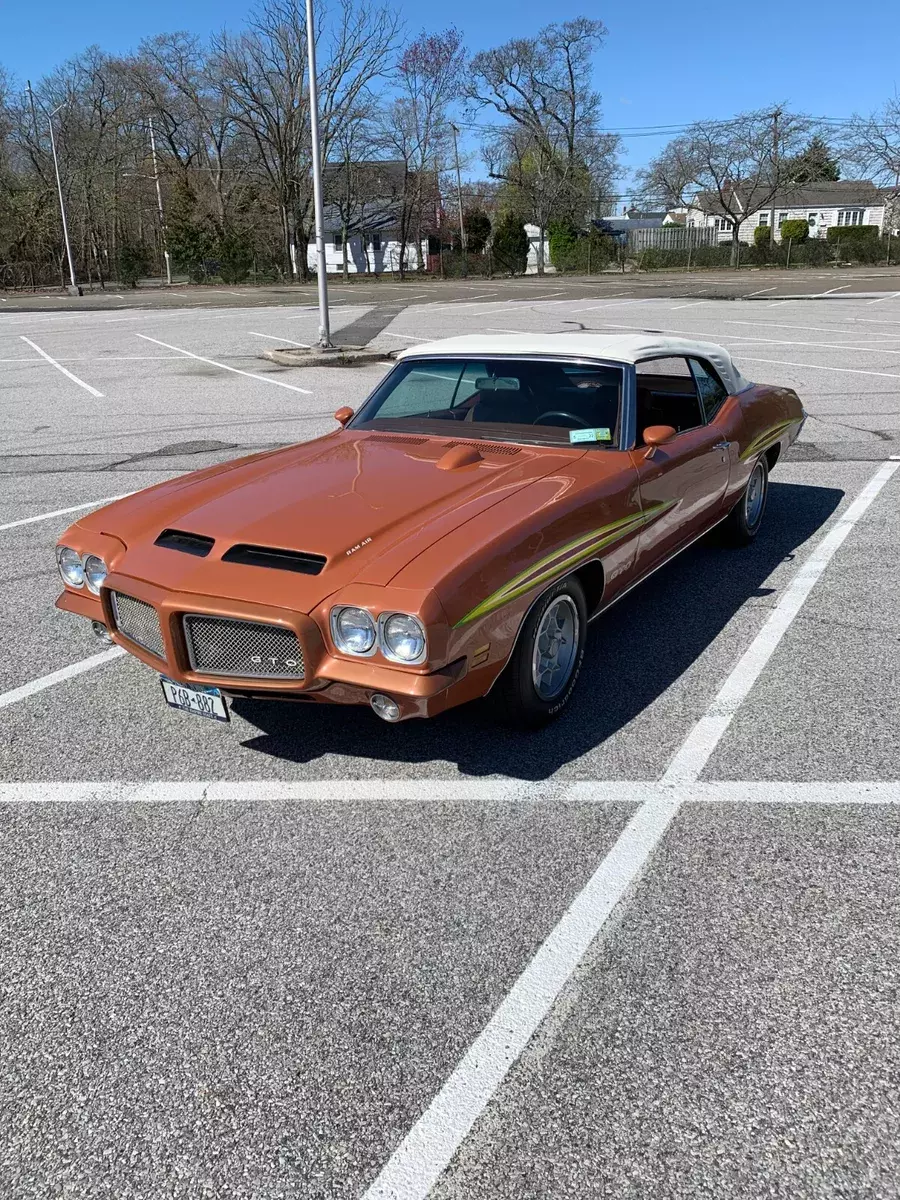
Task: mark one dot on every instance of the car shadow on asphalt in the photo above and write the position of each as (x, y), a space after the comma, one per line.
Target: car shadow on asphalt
(635, 653)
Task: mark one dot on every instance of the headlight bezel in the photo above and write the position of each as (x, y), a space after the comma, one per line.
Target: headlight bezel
(380, 644)
(383, 621)
(78, 582)
(339, 643)
(88, 558)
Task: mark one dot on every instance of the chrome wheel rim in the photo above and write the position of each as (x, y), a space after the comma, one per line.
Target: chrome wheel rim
(755, 496)
(555, 648)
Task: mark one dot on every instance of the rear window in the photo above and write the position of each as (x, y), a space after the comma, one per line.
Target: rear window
(543, 402)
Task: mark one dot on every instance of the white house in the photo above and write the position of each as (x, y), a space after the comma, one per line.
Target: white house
(822, 205)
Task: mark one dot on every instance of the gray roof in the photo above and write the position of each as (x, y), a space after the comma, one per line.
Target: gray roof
(845, 193)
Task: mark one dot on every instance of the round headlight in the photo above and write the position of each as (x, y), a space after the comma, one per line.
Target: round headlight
(94, 573)
(354, 630)
(70, 566)
(403, 638)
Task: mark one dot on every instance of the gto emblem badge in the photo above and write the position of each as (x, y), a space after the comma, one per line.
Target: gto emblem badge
(257, 660)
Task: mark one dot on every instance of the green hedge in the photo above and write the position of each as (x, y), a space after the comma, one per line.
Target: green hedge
(796, 230)
(762, 235)
(852, 233)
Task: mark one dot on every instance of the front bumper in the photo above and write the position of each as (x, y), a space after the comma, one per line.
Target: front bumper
(327, 677)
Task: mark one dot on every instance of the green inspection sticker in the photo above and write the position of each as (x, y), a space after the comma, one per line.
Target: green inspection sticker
(589, 435)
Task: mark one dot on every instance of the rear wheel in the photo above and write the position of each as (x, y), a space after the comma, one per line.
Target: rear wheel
(543, 670)
(744, 520)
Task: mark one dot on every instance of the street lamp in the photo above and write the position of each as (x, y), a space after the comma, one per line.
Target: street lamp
(324, 324)
(74, 290)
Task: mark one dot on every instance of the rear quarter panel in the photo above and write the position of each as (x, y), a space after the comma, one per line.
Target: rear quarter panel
(758, 418)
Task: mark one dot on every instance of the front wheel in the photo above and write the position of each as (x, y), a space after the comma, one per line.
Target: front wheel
(541, 674)
(744, 520)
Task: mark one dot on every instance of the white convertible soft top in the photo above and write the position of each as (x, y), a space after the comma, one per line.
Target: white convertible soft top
(610, 347)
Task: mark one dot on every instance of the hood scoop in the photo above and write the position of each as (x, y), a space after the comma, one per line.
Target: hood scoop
(279, 560)
(187, 543)
(458, 457)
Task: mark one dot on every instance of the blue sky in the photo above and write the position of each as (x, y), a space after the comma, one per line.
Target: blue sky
(663, 63)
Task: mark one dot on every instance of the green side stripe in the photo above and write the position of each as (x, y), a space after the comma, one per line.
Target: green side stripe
(763, 439)
(575, 552)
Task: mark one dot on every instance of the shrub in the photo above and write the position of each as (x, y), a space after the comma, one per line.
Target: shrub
(852, 233)
(795, 230)
(762, 235)
(475, 264)
(563, 239)
(133, 263)
(235, 258)
(510, 245)
(814, 252)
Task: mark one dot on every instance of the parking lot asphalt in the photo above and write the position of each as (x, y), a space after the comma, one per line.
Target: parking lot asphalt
(309, 954)
(386, 290)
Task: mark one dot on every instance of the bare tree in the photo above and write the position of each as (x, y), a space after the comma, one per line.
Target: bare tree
(873, 145)
(415, 129)
(554, 154)
(740, 164)
(263, 71)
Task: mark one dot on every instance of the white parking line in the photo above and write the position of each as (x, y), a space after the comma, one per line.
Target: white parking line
(69, 672)
(761, 292)
(423, 1155)
(889, 296)
(405, 337)
(700, 743)
(274, 337)
(61, 512)
(443, 791)
(815, 367)
(53, 363)
(236, 370)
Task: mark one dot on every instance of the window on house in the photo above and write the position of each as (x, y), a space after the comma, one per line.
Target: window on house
(782, 217)
(375, 239)
(764, 218)
(723, 225)
(851, 216)
(338, 241)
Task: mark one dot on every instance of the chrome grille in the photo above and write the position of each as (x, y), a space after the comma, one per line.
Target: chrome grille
(139, 622)
(245, 649)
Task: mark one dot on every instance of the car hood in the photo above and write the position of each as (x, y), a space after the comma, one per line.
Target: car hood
(368, 503)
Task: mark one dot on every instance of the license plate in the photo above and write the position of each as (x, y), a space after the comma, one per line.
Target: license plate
(201, 701)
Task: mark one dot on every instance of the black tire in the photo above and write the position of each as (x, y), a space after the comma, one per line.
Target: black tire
(517, 696)
(744, 521)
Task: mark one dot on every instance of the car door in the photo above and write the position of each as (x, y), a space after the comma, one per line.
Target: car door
(682, 482)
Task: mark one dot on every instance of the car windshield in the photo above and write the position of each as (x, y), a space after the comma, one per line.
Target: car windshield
(538, 401)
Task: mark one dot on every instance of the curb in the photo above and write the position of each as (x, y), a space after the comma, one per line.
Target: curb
(339, 356)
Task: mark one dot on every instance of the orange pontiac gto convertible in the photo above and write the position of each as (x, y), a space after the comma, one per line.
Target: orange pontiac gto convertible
(456, 536)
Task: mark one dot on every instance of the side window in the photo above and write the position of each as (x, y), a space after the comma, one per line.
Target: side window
(667, 395)
(712, 391)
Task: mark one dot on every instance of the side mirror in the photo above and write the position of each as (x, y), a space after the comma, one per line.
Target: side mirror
(343, 415)
(655, 435)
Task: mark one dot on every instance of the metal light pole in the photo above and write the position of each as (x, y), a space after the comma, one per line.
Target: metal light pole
(324, 324)
(159, 205)
(462, 227)
(62, 203)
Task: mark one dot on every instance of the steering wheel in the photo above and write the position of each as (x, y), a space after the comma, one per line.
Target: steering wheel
(577, 421)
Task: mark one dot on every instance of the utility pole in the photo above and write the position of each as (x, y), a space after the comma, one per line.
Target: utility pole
(159, 205)
(462, 226)
(74, 289)
(324, 324)
(775, 118)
